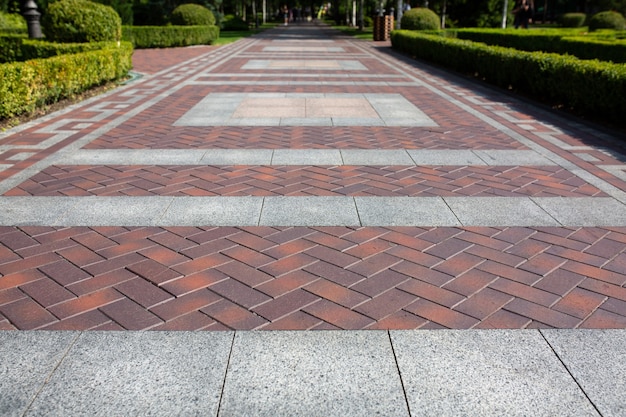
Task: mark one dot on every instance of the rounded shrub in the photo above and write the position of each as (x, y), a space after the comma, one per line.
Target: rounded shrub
(607, 20)
(573, 20)
(192, 15)
(420, 18)
(81, 21)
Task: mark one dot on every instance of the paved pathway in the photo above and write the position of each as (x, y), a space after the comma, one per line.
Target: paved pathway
(304, 180)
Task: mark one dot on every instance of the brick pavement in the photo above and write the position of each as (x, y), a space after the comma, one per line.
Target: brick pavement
(288, 277)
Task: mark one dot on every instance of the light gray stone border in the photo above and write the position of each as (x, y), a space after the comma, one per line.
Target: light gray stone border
(311, 211)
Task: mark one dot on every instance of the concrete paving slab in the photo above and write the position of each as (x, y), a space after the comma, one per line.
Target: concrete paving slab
(513, 157)
(405, 211)
(138, 373)
(499, 211)
(328, 157)
(33, 211)
(597, 360)
(384, 157)
(309, 211)
(321, 373)
(485, 373)
(132, 157)
(459, 157)
(237, 157)
(213, 211)
(584, 211)
(28, 360)
(114, 211)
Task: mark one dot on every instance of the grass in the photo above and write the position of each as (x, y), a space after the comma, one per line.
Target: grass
(227, 37)
(366, 34)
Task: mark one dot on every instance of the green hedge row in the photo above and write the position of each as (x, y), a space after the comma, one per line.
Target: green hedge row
(19, 48)
(558, 41)
(26, 85)
(588, 86)
(169, 36)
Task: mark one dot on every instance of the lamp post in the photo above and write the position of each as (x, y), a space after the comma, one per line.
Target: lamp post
(31, 14)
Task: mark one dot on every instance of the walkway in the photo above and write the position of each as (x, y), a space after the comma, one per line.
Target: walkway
(302, 180)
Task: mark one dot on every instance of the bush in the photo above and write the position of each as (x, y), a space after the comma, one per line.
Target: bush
(573, 20)
(589, 87)
(24, 86)
(368, 22)
(420, 19)
(12, 22)
(168, 36)
(10, 48)
(607, 20)
(192, 15)
(233, 23)
(81, 21)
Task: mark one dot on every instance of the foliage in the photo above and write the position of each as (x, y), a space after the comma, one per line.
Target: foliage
(607, 20)
(149, 14)
(15, 48)
(12, 22)
(233, 23)
(419, 19)
(124, 9)
(26, 85)
(81, 21)
(589, 87)
(168, 36)
(573, 20)
(368, 22)
(10, 47)
(192, 15)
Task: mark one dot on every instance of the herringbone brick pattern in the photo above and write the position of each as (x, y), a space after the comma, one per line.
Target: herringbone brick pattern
(548, 181)
(311, 278)
(150, 61)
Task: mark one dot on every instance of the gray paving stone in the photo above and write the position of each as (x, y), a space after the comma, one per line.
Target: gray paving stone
(499, 211)
(597, 360)
(330, 157)
(584, 211)
(513, 157)
(27, 360)
(485, 373)
(132, 157)
(306, 121)
(404, 211)
(213, 211)
(322, 373)
(376, 157)
(138, 373)
(114, 211)
(33, 211)
(237, 157)
(459, 157)
(309, 211)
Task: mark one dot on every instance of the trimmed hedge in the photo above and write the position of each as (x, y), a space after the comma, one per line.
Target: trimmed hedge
(81, 21)
(26, 85)
(420, 18)
(10, 48)
(192, 15)
(589, 87)
(573, 20)
(570, 42)
(19, 48)
(607, 20)
(143, 37)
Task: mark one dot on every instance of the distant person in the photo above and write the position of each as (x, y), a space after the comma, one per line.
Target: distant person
(523, 14)
(286, 14)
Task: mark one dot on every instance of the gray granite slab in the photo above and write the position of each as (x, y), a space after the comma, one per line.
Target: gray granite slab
(323, 373)
(513, 157)
(485, 373)
(405, 211)
(237, 157)
(499, 211)
(597, 360)
(309, 211)
(330, 157)
(213, 211)
(114, 211)
(132, 157)
(584, 211)
(376, 157)
(138, 373)
(33, 211)
(459, 157)
(27, 359)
